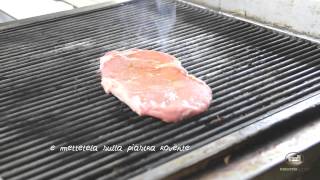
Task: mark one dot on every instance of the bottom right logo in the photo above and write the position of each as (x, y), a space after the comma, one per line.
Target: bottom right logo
(294, 159)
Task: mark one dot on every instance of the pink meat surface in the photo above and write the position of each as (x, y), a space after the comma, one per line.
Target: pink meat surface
(154, 84)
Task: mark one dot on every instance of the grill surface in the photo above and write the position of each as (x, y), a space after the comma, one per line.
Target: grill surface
(50, 91)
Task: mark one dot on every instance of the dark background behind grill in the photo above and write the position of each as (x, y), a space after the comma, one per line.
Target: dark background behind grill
(50, 91)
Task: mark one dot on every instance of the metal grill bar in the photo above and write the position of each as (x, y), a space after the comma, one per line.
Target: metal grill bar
(50, 91)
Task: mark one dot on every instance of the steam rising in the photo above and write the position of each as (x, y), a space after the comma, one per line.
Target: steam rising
(162, 22)
(167, 13)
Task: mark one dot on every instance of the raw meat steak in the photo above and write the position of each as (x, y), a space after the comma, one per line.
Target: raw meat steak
(154, 83)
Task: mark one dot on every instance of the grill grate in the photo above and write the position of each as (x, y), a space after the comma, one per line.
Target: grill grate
(50, 91)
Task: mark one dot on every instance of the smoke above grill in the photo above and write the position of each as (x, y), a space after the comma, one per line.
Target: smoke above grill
(162, 22)
(168, 12)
